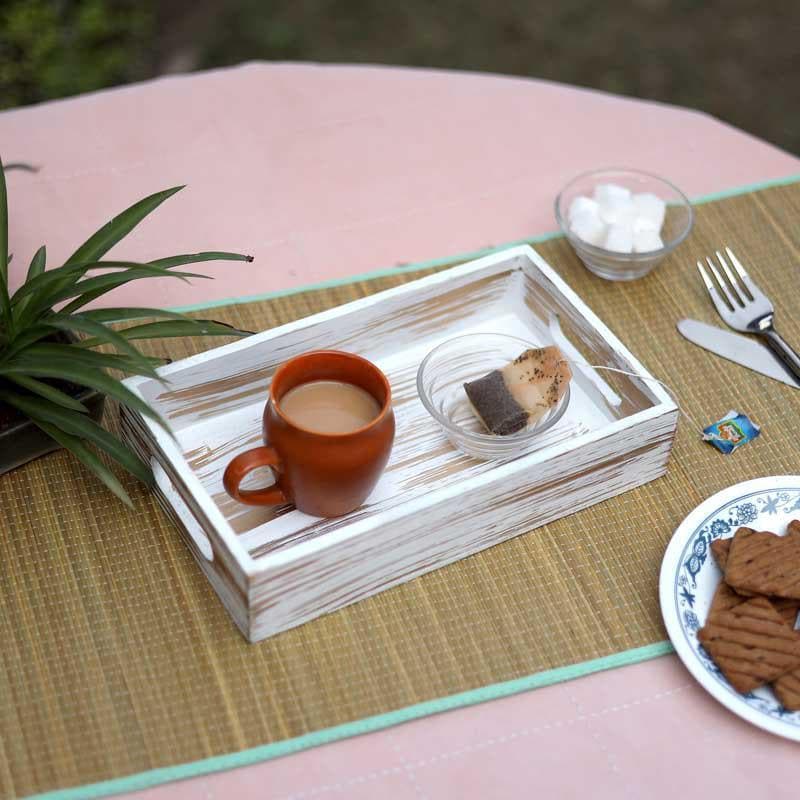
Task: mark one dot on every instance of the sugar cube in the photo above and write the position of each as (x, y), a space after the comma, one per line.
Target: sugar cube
(589, 227)
(604, 192)
(582, 205)
(619, 238)
(615, 210)
(645, 241)
(650, 211)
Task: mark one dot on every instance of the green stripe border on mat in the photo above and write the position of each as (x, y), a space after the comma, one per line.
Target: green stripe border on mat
(150, 778)
(145, 780)
(387, 272)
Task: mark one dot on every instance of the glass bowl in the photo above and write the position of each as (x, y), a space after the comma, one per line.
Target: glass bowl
(440, 384)
(626, 266)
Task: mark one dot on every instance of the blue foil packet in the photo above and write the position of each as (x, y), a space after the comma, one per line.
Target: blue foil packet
(731, 432)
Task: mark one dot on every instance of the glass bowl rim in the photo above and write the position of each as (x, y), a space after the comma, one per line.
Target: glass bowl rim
(522, 437)
(591, 249)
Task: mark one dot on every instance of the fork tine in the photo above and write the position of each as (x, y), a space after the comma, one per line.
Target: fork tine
(733, 282)
(713, 293)
(736, 263)
(704, 276)
(742, 273)
(722, 285)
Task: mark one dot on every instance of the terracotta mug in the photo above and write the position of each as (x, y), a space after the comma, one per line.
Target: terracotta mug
(323, 474)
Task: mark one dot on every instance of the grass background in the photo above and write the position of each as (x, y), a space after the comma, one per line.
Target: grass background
(736, 59)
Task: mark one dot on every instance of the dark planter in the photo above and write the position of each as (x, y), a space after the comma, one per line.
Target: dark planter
(22, 441)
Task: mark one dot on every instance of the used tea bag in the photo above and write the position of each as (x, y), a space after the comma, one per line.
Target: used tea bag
(507, 400)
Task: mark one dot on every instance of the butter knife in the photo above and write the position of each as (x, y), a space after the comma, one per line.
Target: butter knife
(740, 349)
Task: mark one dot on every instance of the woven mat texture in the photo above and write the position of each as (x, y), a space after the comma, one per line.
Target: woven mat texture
(116, 656)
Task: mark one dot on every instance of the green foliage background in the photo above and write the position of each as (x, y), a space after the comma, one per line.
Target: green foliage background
(53, 49)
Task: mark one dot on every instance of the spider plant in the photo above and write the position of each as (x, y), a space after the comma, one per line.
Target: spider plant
(48, 337)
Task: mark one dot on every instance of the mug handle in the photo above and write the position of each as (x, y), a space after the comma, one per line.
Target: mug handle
(245, 463)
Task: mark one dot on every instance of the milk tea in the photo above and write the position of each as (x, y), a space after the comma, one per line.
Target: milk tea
(329, 407)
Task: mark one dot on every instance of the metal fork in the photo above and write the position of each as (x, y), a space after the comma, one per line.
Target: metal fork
(744, 307)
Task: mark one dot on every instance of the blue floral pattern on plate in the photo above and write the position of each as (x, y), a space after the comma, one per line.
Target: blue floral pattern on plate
(696, 563)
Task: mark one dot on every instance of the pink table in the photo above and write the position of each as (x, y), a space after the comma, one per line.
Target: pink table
(325, 172)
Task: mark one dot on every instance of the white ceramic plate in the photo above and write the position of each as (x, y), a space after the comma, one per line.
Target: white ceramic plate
(689, 576)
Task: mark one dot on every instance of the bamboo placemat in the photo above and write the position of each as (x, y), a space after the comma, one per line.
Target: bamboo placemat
(116, 656)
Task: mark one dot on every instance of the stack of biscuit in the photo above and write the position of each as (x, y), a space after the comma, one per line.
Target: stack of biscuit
(750, 630)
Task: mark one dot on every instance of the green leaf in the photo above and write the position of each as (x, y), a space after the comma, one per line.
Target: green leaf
(20, 165)
(53, 284)
(112, 232)
(5, 305)
(21, 341)
(66, 354)
(40, 366)
(195, 258)
(174, 328)
(85, 299)
(82, 426)
(103, 335)
(91, 288)
(124, 314)
(87, 458)
(49, 392)
(36, 268)
(38, 263)
(37, 295)
(169, 263)
(40, 285)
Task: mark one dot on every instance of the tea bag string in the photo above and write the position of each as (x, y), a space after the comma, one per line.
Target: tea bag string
(668, 389)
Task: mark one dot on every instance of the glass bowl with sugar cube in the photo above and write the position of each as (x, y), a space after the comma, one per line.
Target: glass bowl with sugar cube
(623, 222)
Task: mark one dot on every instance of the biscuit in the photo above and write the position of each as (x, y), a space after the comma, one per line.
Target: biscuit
(720, 549)
(787, 690)
(751, 644)
(787, 687)
(763, 563)
(724, 599)
(787, 609)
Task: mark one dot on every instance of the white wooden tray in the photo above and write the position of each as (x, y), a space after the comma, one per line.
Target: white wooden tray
(277, 568)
